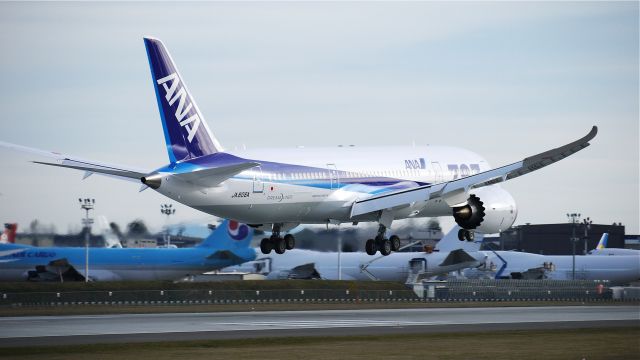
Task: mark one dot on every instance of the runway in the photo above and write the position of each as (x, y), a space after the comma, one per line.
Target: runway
(58, 330)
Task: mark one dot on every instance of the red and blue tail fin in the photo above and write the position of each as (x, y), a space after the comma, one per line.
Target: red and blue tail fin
(186, 133)
(9, 234)
(229, 235)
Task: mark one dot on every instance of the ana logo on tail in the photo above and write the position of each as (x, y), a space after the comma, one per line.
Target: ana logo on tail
(238, 231)
(171, 95)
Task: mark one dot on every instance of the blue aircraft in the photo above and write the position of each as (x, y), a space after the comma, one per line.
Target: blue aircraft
(227, 245)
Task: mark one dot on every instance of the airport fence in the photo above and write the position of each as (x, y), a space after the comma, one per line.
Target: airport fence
(517, 290)
(204, 297)
(433, 291)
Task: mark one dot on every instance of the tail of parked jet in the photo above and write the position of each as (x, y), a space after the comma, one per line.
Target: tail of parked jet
(229, 235)
(9, 234)
(186, 133)
(602, 244)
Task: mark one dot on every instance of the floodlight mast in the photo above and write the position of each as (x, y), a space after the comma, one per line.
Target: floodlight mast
(87, 205)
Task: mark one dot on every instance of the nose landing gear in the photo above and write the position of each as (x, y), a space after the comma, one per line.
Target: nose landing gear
(464, 234)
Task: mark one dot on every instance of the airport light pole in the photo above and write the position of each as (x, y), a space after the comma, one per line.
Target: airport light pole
(87, 205)
(574, 218)
(586, 223)
(168, 210)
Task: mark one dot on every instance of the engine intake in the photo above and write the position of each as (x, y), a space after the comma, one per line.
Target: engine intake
(471, 215)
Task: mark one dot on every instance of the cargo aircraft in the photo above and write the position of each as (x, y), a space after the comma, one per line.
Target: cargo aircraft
(279, 189)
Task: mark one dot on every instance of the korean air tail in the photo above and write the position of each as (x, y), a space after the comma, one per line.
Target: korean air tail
(602, 244)
(9, 234)
(229, 235)
(186, 133)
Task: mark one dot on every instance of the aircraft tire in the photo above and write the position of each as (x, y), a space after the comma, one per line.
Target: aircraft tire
(370, 247)
(385, 247)
(469, 235)
(461, 234)
(280, 246)
(290, 241)
(395, 242)
(266, 246)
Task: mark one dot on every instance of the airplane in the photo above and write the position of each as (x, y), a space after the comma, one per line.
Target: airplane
(226, 246)
(279, 189)
(398, 266)
(602, 249)
(9, 234)
(621, 269)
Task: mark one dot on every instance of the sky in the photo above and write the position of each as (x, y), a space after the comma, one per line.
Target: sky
(503, 79)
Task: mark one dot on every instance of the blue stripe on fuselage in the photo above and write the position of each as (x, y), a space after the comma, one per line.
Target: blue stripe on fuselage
(364, 184)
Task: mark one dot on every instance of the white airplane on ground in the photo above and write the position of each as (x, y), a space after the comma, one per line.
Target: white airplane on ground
(308, 264)
(279, 189)
(602, 249)
(621, 269)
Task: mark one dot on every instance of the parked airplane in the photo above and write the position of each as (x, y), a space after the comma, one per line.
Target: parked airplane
(399, 266)
(279, 189)
(226, 246)
(602, 249)
(9, 234)
(620, 269)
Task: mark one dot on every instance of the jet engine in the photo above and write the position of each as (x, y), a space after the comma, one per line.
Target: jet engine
(488, 210)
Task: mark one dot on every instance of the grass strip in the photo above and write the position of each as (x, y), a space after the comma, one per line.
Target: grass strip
(592, 343)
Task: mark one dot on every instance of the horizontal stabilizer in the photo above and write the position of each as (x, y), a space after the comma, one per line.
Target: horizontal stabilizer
(226, 255)
(94, 168)
(214, 176)
(305, 271)
(463, 185)
(73, 162)
(457, 257)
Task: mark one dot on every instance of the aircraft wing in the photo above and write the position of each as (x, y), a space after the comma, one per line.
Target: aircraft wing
(90, 167)
(454, 192)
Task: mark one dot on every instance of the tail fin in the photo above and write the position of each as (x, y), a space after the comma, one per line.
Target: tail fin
(9, 234)
(186, 133)
(602, 244)
(450, 242)
(229, 235)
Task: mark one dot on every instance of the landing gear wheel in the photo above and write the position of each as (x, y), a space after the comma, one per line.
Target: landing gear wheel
(279, 245)
(469, 235)
(385, 247)
(290, 241)
(266, 245)
(395, 242)
(461, 234)
(370, 247)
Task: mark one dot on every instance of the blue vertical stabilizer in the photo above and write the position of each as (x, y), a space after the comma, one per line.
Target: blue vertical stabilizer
(186, 133)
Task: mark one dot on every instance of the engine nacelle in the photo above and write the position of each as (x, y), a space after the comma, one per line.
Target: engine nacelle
(488, 210)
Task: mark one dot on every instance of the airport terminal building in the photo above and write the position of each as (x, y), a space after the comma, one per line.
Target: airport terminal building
(555, 239)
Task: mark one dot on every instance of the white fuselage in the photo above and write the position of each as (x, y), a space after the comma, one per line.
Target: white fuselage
(620, 269)
(319, 185)
(354, 265)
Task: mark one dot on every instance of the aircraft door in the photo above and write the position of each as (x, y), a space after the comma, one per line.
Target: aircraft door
(334, 176)
(418, 265)
(258, 180)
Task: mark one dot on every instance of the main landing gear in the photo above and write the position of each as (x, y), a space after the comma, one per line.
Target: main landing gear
(464, 234)
(276, 242)
(382, 244)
